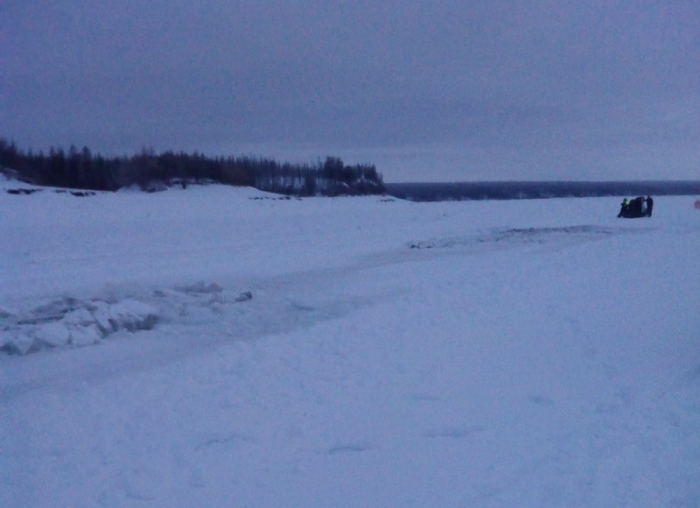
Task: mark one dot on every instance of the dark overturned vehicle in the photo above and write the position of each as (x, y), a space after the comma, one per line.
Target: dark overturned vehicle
(637, 207)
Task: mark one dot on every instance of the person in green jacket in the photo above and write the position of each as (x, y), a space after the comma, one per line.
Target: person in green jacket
(623, 207)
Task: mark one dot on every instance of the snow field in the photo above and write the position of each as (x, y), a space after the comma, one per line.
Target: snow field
(484, 354)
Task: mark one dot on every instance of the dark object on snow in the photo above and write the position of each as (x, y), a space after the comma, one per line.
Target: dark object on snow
(638, 207)
(623, 208)
(18, 192)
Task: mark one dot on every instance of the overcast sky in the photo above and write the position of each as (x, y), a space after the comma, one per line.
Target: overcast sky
(428, 90)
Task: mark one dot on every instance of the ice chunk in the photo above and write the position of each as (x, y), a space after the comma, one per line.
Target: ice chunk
(52, 334)
(80, 317)
(85, 335)
(18, 344)
(130, 315)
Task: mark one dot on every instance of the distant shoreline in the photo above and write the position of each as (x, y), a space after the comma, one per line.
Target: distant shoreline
(466, 191)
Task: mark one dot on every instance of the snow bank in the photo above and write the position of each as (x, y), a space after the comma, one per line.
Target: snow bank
(73, 322)
(70, 322)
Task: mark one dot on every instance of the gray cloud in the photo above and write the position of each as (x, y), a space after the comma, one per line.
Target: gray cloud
(428, 90)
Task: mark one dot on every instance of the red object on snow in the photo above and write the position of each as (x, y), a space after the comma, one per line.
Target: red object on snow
(697, 204)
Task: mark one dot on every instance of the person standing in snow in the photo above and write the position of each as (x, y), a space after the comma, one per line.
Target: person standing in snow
(650, 205)
(623, 207)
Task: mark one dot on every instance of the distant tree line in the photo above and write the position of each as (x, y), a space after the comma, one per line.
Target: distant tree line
(80, 169)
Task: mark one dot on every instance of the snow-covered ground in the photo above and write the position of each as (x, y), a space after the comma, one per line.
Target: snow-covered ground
(219, 347)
